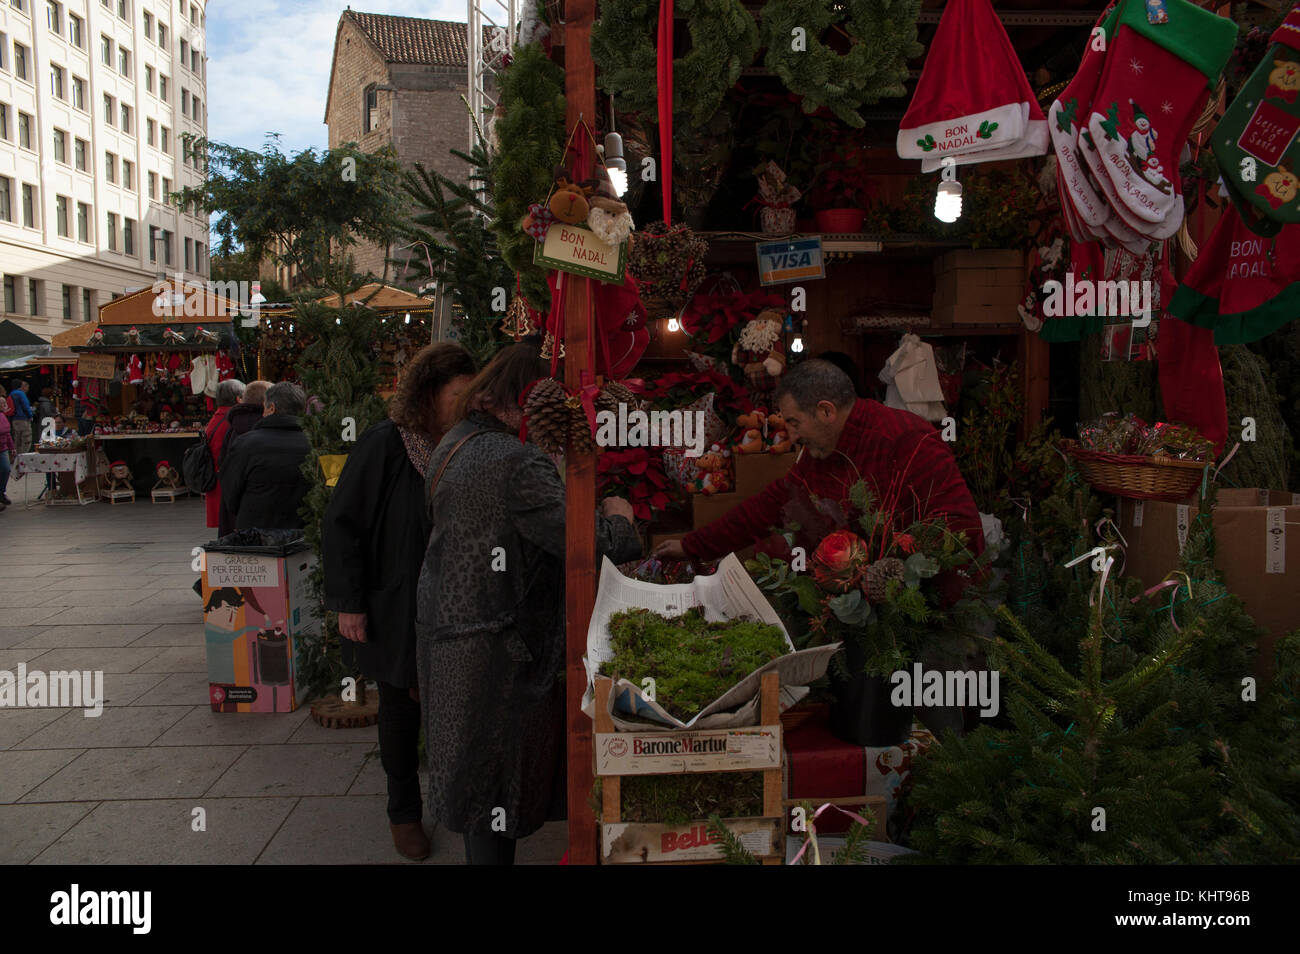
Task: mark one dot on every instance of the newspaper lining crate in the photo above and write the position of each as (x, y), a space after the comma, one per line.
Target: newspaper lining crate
(744, 749)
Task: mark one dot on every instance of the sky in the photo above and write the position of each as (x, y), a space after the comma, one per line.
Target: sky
(269, 64)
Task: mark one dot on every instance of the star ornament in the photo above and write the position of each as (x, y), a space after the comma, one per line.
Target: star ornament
(1167, 107)
(1135, 65)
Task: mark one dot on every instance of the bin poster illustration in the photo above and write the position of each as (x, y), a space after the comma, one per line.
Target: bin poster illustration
(254, 608)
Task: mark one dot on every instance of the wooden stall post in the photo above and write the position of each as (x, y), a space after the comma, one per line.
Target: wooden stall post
(580, 483)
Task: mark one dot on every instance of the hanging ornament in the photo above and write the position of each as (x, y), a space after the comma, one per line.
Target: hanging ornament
(517, 323)
(548, 345)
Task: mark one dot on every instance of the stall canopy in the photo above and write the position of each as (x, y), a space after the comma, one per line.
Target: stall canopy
(17, 344)
(188, 317)
(61, 353)
(384, 298)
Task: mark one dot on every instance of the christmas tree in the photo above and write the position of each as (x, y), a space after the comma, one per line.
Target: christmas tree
(338, 369)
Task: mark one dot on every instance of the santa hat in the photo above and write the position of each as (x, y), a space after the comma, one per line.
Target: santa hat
(972, 102)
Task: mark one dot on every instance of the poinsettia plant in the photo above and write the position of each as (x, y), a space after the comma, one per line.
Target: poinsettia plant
(679, 388)
(713, 321)
(638, 475)
(891, 586)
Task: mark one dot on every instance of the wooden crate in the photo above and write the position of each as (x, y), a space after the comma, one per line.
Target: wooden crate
(746, 749)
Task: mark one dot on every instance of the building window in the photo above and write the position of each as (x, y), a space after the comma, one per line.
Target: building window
(61, 216)
(87, 305)
(106, 50)
(60, 146)
(25, 130)
(162, 84)
(58, 82)
(196, 62)
(185, 101)
(128, 174)
(185, 53)
(153, 243)
(11, 294)
(148, 78)
(123, 10)
(110, 167)
(151, 131)
(124, 61)
(83, 222)
(194, 13)
(6, 199)
(78, 93)
(22, 57)
(126, 118)
(167, 247)
(162, 35)
(4, 122)
(4, 50)
(76, 31)
(372, 109)
(112, 231)
(166, 190)
(166, 142)
(33, 297)
(148, 24)
(67, 302)
(110, 110)
(29, 205)
(19, 5)
(54, 16)
(189, 254)
(153, 185)
(128, 236)
(80, 153)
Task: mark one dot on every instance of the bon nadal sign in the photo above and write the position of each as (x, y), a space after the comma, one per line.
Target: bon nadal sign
(572, 248)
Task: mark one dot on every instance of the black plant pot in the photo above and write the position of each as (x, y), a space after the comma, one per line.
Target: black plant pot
(862, 713)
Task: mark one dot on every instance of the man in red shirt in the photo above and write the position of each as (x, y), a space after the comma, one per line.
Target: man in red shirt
(900, 456)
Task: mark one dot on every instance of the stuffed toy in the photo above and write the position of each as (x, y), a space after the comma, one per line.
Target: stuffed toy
(168, 477)
(713, 472)
(97, 337)
(778, 438)
(760, 352)
(173, 337)
(119, 476)
(132, 335)
(609, 217)
(538, 221)
(750, 442)
(569, 202)
(202, 334)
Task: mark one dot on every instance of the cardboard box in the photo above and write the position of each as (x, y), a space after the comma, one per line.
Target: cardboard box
(755, 471)
(1257, 544)
(980, 258)
(255, 609)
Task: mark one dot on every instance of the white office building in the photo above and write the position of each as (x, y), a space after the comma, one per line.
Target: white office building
(96, 99)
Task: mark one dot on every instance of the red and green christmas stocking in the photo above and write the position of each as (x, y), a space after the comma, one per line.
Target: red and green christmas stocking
(1257, 142)
(1156, 80)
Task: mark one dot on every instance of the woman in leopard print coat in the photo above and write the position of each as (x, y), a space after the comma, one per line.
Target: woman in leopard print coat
(490, 622)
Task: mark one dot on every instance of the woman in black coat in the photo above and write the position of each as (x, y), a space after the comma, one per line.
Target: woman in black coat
(491, 617)
(373, 537)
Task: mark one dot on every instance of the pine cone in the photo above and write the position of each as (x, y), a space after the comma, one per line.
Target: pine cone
(548, 415)
(614, 394)
(878, 576)
(584, 442)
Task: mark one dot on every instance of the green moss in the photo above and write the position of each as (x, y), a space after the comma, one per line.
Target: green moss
(675, 799)
(691, 660)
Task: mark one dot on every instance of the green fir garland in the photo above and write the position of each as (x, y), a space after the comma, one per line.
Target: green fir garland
(883, 38)
(724, 40)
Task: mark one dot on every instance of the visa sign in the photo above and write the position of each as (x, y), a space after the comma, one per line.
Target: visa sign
(790, 260)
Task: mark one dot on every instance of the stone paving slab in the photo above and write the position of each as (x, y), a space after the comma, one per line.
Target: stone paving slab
(173, 634)
(11, 636)
(120, 727)
(27, 830)
(146, 772)
(161, 832)
(85, 636)
(176, 689)
(176, 659)
(311, 732)
(20, 772)
(126, 659)
(202, 726)
(18, 724)
(293, 770)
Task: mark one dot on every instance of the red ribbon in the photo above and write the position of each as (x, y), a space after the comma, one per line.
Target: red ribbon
(664, 73)
(587, 394)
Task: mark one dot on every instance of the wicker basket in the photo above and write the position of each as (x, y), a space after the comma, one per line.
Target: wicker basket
(1136, 475)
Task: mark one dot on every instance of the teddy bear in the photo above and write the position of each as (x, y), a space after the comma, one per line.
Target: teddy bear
(713, 474)
(752, 427)
(1279, 187)
(1284, 81)
(759, 351)
(778, 438)
(569, 202)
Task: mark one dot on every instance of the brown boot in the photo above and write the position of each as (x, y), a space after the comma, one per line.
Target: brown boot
(410, 841)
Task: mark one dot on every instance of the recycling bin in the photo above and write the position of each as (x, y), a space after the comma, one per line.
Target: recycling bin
(256, 608)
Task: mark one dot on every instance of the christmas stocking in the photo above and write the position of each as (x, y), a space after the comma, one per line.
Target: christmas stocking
(1156, 80)
(1256, 141)
(1191, 379)
(1064, 119)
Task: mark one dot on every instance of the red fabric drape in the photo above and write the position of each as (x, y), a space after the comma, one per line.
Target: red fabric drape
(664, 72)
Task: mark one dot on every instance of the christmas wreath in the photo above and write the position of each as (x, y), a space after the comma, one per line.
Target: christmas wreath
(882, 37)
(724, 40)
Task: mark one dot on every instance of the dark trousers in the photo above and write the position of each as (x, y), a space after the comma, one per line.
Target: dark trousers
(489, 850)
(399, 752)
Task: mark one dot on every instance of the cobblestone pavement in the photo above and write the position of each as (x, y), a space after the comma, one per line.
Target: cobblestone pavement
(109, 588)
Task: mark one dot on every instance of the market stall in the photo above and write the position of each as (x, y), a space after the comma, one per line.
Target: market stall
(962, 260)
(146, 377)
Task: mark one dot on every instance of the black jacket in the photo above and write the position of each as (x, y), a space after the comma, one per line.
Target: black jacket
(262, 482)
(240, 420)
(373, 537)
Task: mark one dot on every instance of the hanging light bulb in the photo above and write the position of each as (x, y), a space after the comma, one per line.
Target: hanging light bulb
(947, 201)
(674, 326)
(615, 164)
(408, 317)
(338, 321)
(796, 346)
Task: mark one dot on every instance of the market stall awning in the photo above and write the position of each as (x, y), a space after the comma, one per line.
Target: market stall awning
(74, 336)
(59, 357)
(380, 297)
(192, 302)
(17, 344)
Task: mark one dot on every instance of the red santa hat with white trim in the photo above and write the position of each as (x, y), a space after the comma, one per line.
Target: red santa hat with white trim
(972, 102)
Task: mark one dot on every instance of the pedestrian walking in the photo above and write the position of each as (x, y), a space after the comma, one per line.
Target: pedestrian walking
(240, 420)
(6, 450)
(262, 483)
(373, 537)
(229, 394)
(21, 419)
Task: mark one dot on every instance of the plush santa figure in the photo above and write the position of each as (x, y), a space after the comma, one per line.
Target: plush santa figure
(760, 352)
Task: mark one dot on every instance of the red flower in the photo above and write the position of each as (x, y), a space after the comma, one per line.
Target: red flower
(905, 542)
(838, 560)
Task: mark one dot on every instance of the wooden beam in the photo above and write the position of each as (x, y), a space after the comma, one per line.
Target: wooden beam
(580, 483)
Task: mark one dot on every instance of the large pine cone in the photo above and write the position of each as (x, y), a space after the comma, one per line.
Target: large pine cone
(878, 576)
(548, 415)
(614, 394)
(584, 442)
